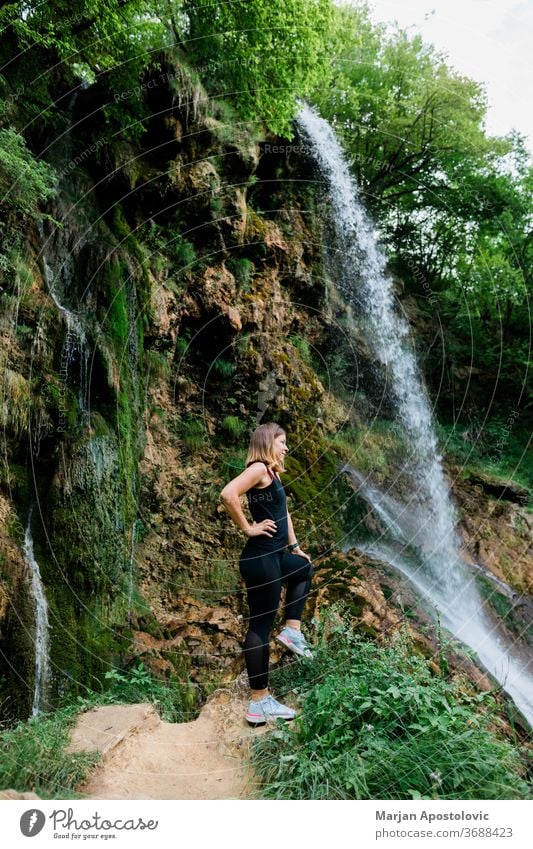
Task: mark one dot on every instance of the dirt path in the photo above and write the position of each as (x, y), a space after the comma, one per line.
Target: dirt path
(147, 758)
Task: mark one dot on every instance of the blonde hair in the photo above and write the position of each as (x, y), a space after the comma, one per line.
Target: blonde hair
(261, 445)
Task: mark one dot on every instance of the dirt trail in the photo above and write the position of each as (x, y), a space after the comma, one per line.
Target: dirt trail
(147, 758)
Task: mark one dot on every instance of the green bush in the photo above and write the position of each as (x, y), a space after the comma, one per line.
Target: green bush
(233, 426)
(302, 345)
(243, 271)
(376, 723)
(192, 432)
(182, 253)
(175, 701)
(496, 448)
(24, 180)
(223, 367)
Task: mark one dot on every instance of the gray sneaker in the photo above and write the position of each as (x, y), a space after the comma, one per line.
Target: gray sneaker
(294, 641)
(268, 710)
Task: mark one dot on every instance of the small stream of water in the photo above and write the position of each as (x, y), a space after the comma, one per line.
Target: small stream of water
(75, 347)
(41, 639)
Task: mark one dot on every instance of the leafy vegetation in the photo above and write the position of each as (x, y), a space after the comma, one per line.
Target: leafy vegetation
(192, 432)
(243, 270)
(377, 723)
(24, 180)
(34, 757)
(499, 447)
(233, 426)
(174, 699)
(263, 55)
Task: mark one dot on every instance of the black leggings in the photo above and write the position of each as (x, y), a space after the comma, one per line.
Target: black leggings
(264, 574)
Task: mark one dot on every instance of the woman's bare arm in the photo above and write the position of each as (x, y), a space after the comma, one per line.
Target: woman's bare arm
(292, 539)
(231, 499)
(292, 535)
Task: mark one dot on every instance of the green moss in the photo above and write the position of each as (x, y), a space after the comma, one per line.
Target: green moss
(243, 271)
(116, 325)
(374, 449)
(131, 243)
(234, 427)
(497, 449)
(191, 430)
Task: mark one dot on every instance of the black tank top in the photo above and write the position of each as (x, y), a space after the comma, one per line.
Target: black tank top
(269, 502)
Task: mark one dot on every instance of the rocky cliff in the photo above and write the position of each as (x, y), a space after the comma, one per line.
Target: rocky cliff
(174, 298)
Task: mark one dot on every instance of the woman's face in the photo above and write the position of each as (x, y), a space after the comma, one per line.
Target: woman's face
(280, 447)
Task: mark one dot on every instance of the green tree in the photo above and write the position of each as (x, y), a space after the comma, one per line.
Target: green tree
(261, 54)
(47, 48)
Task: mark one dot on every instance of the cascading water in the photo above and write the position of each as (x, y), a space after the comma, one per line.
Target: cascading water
(422, 528)
(41, 641)
(75, 347)
(131, 564)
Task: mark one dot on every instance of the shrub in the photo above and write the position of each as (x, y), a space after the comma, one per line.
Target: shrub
(223, 367)
(182, 253)
(301, 345)
(243, 271)
(24, 180)
(175, 700)
(234, 426)
(192, 432)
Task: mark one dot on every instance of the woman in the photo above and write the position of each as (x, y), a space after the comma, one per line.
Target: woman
(270, 557)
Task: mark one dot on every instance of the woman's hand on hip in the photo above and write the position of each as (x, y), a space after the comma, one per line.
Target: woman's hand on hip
(299, 553)
(260, 529)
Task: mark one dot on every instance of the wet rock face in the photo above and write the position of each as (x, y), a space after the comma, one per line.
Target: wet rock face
(498, 532)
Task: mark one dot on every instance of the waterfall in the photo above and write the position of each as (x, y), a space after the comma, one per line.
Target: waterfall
(423, 541)
(41, 641)
(131, 564)
(75, 346)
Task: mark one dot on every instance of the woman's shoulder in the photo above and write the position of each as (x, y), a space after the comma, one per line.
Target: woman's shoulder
(271, 474)
(262, 463)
